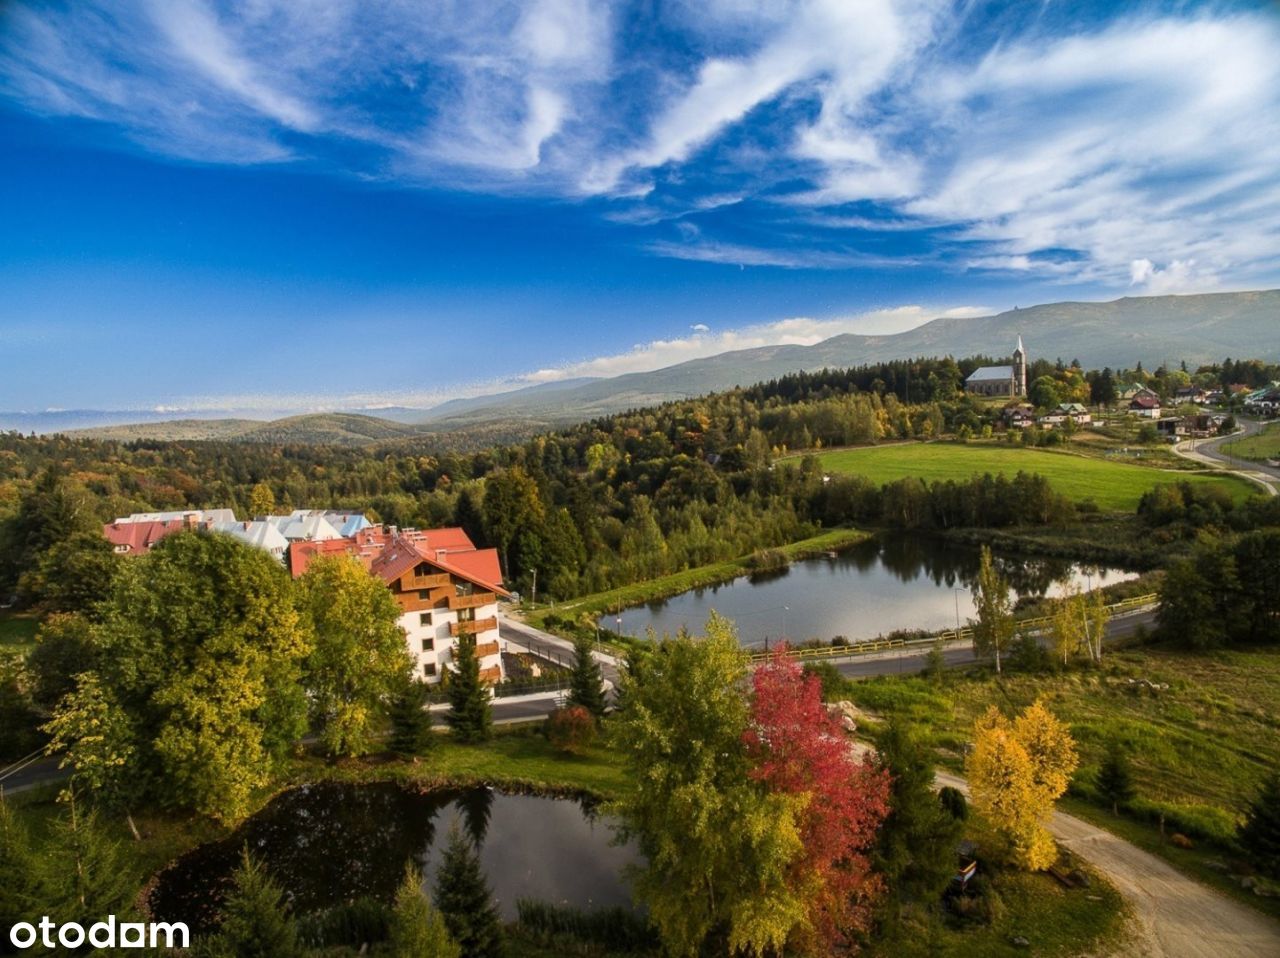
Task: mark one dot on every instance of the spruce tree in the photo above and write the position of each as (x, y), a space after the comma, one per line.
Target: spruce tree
(22, 890)
(256, 921)
(1115, 778)
(87, 873)
(417, 928)
(464, 898)
(586, 684)
(1260, 836)
(469, 713)
(916, 851)
(410, 720)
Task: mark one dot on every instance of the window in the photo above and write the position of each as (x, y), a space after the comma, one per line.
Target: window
(428, 645)
(424, 594)
(466, 615)
(424, 618)
(463, 589)
(428, 669)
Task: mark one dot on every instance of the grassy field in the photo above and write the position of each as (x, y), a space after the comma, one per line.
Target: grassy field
(1265, 445)
(1200, 748)
(1114, 486)
(17, 633)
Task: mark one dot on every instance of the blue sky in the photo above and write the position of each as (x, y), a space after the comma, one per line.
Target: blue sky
(288, 204)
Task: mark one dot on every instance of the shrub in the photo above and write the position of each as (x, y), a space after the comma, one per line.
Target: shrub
(355, 923)
(614, 929)
(953, 801)
(571, 729)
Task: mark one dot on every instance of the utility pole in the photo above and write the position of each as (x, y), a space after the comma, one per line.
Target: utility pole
(534, 600)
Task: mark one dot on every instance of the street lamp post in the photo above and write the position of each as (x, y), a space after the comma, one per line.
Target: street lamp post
(955, 593)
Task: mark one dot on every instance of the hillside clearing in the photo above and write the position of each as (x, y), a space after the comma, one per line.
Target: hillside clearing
(1114, 486)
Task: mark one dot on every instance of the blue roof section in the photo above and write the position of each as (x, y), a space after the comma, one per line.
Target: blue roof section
(990, 372)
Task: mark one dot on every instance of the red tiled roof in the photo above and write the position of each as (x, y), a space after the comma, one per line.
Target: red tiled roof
(139, 537)
(1146, 402)
(389, 555)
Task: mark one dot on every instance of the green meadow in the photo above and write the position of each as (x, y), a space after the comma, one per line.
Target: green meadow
(1114, 486)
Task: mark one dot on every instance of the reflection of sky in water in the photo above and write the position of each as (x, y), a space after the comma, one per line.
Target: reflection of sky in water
(871, 590)
(544, 849)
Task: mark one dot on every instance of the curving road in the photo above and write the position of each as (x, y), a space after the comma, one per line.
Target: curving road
(1208, 452)
(1176, 917)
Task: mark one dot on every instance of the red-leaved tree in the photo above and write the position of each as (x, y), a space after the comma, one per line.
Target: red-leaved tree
(798, 748)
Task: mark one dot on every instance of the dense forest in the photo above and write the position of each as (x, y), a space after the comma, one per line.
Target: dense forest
(604, 503)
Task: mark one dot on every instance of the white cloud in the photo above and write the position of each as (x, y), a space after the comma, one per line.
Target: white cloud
(796, 331)
(700, 328)
(1062, 156)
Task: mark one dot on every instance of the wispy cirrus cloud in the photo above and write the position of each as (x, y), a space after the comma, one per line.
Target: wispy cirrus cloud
(816, 134)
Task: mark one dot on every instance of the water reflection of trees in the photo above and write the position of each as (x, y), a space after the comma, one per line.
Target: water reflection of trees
(323, 843)
(909, 558)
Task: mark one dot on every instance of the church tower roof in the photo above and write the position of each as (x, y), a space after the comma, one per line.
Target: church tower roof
(1020, 349)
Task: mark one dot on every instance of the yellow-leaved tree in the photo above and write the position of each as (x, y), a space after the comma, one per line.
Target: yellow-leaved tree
(1016, 771)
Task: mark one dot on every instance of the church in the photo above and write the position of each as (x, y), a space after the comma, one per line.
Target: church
(1000, 380)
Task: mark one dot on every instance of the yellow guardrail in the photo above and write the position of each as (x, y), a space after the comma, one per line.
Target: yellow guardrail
(945, 636)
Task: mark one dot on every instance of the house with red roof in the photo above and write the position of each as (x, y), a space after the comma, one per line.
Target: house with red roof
(446, 588)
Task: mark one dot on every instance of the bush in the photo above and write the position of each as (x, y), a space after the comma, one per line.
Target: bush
(953, 801)
(834, 685)
(363, 921)
(1199, 821)
(767, 560)
(571, 729)
(615, 929)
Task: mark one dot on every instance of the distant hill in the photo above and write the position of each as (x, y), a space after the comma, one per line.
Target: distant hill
(332, 428)
(1151, 329)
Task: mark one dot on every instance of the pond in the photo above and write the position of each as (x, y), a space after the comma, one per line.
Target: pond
(876, 587)
(329, 843)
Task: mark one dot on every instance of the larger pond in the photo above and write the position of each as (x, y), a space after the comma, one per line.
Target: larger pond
(330, 843)
(877, 587)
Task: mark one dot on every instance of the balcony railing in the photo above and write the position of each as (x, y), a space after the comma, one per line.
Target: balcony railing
(486, 649)
(472, 628)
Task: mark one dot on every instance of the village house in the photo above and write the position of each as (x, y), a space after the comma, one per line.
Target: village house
(137, 533)
(1073, 411)
(1019, 415)
(1145, 404)
(1192, 394)
(446, 588)
(1000, 380)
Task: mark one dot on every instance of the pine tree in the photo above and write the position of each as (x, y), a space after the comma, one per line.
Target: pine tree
(256, 922)
(417, 928)
(22, 891)
(87, 875)
(1260, 835)
(586, 685)
(464, 898)
(916, 847)
(410, 720)
(469, 712)
(1115, 778)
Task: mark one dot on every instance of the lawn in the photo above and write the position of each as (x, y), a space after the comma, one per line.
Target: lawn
(1265, 445)
(1200, 747)
(1114, 486)
(17, 633)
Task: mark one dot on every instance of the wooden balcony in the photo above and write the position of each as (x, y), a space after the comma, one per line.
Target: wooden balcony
(491, 675)
(472, 601)
(484, 650)
(409, 581)
(472, 628)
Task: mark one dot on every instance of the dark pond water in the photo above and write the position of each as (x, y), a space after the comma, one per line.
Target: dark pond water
(330, 843)
(875, 588)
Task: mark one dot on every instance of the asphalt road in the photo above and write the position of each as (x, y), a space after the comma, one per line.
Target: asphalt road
(1209, 452)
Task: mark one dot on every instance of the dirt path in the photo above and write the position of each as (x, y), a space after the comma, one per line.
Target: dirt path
(1176, 916)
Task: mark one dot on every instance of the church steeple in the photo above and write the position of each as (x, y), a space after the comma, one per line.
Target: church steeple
(1019, 369)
